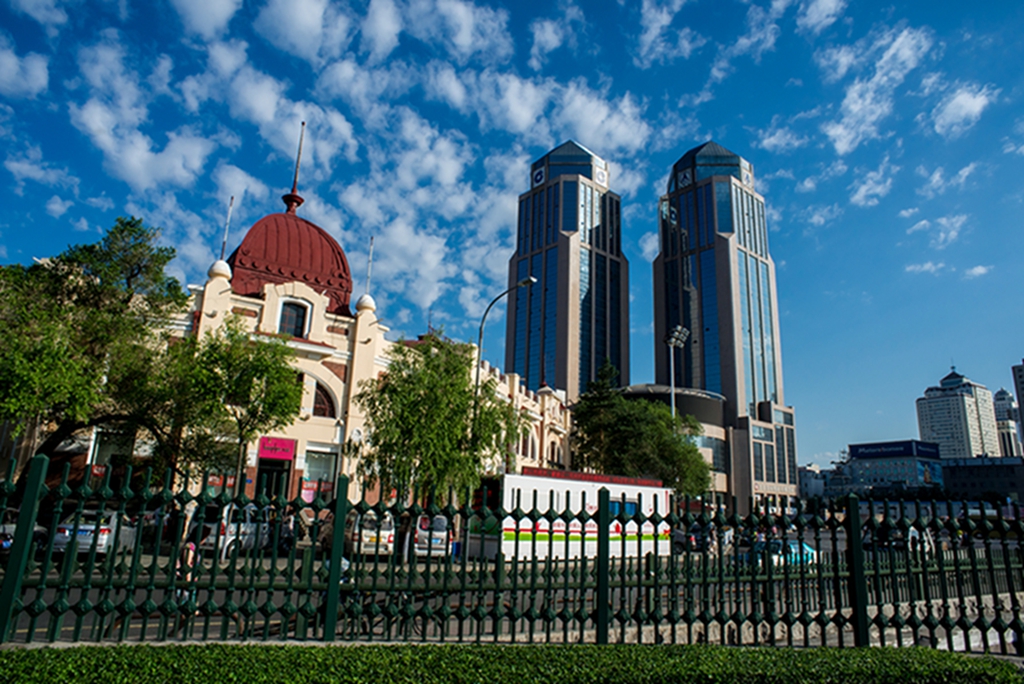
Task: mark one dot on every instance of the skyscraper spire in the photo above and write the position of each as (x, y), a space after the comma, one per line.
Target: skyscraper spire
(292, 199)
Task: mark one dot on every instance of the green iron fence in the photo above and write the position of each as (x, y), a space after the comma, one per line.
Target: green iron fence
(126, 561)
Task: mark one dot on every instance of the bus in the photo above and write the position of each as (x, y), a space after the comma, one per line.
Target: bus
(568, 494)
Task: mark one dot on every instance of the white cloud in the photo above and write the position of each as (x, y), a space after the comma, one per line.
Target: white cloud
(380, 29)
(46, 12)
(601, 124)
(550, 34)
(80, 225)
(907, 213)
(366, 89)
(762, 31)
(977, 271)
(547, 37)
(961, 109)
(262, 100)
(835, 62)
(869, 101)
(30, 166)
(779, 139)
(464, 29)
(649, 245)
(873, 185)
(927, 267)
(817, 15)
(26, 76)
(511, 103)
(944, 231)
(56, 207)
(949, 230)
(819, 215)
(206, 18)
(413, 261)
(232, 181)
(626, 180)
(111, 118)
(314, 30)
(657, 42)
(103, 203)
(833, 170)
(937, 183)
(442, 83)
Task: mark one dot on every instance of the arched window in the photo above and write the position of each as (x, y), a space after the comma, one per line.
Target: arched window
(323, 405)
(293, 319)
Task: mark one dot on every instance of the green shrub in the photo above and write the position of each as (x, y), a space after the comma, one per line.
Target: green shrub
(631, 664)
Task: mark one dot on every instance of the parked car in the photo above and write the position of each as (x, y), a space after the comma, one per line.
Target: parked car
(107, 527)
(698, 538)
(233, 528)
(432, 536)
(894, 539)
(8, 526)
(366, 535)
(778, 552)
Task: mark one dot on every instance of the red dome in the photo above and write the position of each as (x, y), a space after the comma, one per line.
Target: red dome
(283, 248)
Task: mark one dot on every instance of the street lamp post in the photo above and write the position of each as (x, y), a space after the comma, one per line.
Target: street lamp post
(675, 339)
(525, 282)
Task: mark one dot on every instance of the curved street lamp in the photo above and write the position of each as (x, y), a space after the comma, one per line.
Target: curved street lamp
(525, 282)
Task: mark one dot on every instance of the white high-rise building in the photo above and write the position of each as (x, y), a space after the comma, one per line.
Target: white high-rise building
(1007, 420)
(960, 417)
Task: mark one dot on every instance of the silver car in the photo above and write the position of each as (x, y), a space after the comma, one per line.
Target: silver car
(106, 527)
(235, 530)
(9, 524)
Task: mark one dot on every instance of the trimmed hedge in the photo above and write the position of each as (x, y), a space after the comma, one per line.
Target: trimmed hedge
(623, 664)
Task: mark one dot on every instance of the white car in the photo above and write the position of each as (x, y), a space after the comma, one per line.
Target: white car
(366, 536)
(432, 537)
(106, 527)
(236, 528)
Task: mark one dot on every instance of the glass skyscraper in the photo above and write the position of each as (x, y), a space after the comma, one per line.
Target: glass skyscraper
(715, 276)
(561, 329)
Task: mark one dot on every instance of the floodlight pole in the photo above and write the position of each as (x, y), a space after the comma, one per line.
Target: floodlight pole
(676, 339)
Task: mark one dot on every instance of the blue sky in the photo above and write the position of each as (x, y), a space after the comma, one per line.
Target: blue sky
(887, 139)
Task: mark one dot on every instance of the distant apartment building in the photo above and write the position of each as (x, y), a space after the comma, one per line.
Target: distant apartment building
(812, 481)
(959, 416)
(907, 465)
(715, 277)
(984, 478)
(1007, 423)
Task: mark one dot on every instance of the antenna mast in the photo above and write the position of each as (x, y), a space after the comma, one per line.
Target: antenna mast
(369, 266)
(292, 199)
(298, 159)
(227, 226)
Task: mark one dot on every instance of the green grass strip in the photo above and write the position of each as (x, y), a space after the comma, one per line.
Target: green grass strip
(583, 664)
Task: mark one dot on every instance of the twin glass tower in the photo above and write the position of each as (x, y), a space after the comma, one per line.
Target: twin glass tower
(713, 276)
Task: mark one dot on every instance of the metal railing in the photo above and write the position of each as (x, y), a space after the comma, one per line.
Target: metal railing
(127, 561)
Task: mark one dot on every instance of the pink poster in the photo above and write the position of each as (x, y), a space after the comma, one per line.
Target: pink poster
(277, 448)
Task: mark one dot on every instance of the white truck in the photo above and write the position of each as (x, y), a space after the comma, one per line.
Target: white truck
(568, 494)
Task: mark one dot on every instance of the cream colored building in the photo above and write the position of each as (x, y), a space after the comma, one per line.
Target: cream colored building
(290, 277)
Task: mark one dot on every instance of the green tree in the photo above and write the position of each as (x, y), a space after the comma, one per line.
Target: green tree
(427, 427)
(75, 323)
(252, 382)
(616, 436)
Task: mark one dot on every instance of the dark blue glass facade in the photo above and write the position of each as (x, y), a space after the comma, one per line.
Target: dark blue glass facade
(568, 219)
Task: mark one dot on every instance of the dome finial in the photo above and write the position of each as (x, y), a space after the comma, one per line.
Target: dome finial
(292, 199)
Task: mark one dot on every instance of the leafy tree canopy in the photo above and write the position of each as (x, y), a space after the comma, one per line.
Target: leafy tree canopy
(76, 322)
(427, 428)
(616, 436)
(250, 382)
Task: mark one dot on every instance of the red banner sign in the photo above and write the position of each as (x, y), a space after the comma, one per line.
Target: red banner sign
(99, 470)
(277, 448)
